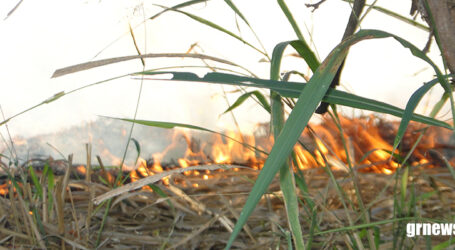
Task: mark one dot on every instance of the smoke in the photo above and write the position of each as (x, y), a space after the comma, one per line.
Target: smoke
(107, 137)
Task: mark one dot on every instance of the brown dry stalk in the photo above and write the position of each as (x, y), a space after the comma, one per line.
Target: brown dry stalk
(14, 209)
(236, 215)
(66, 178)
(73, 211)
(103, 62)
(89, 189)
(89, 213)
(88, 168)
(45, 201)
(155, 178)
(201, 208)
(60, 190)
(195, 233)
(195, 205)
(13, 233)
(29, 218)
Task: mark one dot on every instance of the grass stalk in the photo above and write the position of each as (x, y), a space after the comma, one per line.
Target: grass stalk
(364, 214)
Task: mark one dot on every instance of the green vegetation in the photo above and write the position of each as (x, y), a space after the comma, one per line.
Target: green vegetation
(302, 100)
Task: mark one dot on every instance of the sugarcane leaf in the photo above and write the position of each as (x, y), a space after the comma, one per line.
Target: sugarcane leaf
(292, 89)
(396, 15)
(301, 46)
(237, 11)
(170, 125)
(214, 26)
(301, 114)
(178, 6)
(296, 122)
(409, 110)
(306, 53)
(262, 100)
(291, 19)
(308, 99)
(34, 177)
(287, 181)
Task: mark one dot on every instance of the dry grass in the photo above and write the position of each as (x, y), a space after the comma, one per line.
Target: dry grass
(201, 217)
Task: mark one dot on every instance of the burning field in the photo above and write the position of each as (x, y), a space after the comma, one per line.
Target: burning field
(189, 195)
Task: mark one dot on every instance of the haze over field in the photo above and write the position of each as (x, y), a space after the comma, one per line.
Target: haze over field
(42, 36)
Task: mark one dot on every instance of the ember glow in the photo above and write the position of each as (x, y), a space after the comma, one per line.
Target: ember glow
(365, 142)
(3, 189)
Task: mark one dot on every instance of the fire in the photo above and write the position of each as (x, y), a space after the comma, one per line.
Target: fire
(367, 143)
(320, 146)
(81, 169)
(364, 142)
(3, 189)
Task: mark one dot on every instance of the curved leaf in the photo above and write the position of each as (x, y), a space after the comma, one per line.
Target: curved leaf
(245, 96)
(178, 6)
(409, 110)
(301, 47)
(396, 15)
(237, 11)
(302, 112)
(306, 53)
(103, 62)
(291, 19)
(169, 125)
(296, 122)
(287, 181)
(292, 89)
(214, 26)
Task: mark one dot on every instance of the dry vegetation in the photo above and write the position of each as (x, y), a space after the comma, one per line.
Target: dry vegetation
(201, 217)
(198, 210)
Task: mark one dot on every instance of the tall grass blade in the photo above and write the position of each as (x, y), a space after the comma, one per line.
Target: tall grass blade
(50, 185)
(409, 110)
(137, 145)
(262, 100)
(13, 10)
(104, 62)
(178, 6)
(237, 11)
(287, 182)
(297, 121)
(404, 184)
(396, 15)
(301, 183)
(291, 19)
(47, 101)
(169, 125)
(306, 53)
(301, 47)
(442, 80)
(39, 188)
(215, 26)
(445, 245)
(292, 89)
(287, 185)
(302, 112)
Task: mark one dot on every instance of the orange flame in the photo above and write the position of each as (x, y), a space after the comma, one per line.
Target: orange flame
(364, 142)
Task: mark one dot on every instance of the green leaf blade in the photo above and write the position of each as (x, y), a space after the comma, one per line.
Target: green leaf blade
(262, 100)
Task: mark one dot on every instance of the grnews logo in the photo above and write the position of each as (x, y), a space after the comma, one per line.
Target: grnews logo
(417, 229)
